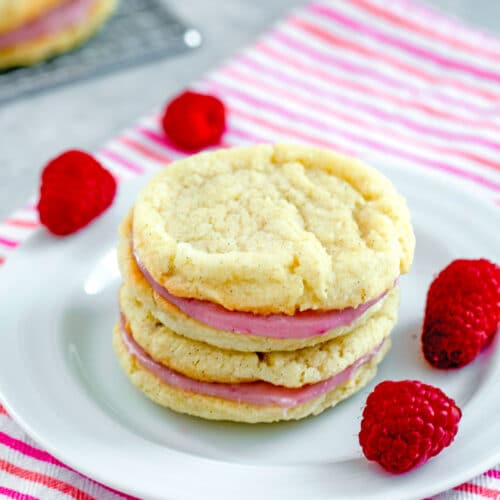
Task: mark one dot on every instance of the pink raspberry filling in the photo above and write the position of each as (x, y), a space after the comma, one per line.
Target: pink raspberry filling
(254, 393)
(303, 324)
(68, 14)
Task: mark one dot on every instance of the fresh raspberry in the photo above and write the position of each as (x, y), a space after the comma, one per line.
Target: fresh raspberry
(405, 423)
(74, 189)
(462, 312)
(193, 121)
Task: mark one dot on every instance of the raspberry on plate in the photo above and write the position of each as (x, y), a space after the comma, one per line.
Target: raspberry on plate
(74, 190)
(405, 423)
(462, 312)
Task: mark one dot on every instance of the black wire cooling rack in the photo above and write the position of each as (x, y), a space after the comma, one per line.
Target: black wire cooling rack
(140, 31)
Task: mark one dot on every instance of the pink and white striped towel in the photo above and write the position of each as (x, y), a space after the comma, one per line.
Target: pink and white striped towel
(386, 80)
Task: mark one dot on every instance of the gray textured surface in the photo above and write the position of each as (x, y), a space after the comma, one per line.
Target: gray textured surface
(87, 114)
(137, 32)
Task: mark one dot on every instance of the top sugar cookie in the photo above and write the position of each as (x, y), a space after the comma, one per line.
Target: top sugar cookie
(273, 229)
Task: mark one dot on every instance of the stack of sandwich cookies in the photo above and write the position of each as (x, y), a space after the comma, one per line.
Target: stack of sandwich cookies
(260, 283)
(32, 31)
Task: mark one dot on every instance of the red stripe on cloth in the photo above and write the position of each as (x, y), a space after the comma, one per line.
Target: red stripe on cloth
(119, 493)
(2, 260)
(426, 30)
(360, 70)
(393, 116)
(28, 224)
(38, 454)
(246, 137)
(350, 83)
(144, 150)
(478, 490)
(155, 137)
(493, 472)
(17, 495)
(123, 162)
(410, 48)
(322, 106)
(28, 450)
(50, 482)
(2, 409)
(8, 243)
(374, 55)
(291, 132)
(161, 140)
(365, 88)
(354, 139)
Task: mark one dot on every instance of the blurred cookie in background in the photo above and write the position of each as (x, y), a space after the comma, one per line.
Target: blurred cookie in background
(32, 31)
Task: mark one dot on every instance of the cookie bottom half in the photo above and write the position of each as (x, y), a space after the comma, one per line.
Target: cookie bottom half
(201, 361)
(215, 408)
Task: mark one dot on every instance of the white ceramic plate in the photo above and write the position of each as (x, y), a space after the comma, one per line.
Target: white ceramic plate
(61, 382)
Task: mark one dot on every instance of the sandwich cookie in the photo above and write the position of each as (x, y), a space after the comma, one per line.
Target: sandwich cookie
(31, 32)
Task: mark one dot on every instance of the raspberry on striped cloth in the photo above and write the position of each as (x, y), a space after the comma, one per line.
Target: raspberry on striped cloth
(74, 190)
(193, 121)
